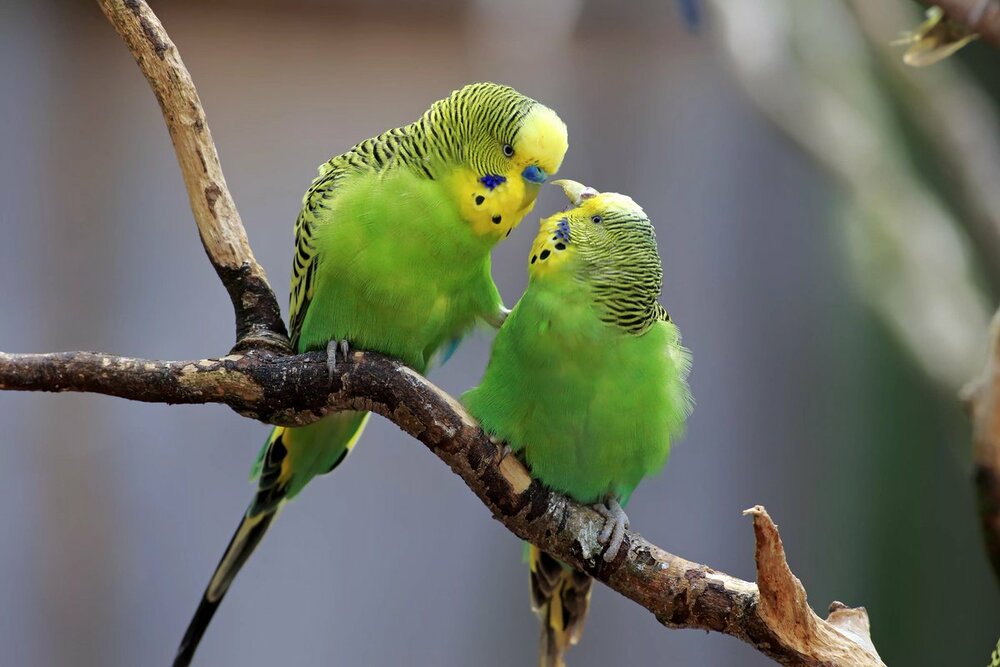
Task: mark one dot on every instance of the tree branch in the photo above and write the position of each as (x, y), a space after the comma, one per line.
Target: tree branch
(258, 317)
(981, 16)
(775, 619)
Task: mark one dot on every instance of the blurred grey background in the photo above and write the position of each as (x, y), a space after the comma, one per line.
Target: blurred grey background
(825, 390)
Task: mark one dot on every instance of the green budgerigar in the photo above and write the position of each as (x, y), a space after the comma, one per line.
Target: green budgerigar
(587, 382)
(392, 254)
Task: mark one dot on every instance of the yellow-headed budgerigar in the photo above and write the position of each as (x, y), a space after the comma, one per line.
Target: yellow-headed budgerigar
(587, 382)
(392, 254)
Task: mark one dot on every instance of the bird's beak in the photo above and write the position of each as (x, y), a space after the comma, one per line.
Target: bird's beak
(534, 174)
(575, 192)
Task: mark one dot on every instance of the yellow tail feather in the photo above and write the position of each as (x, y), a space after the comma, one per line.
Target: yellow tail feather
(560, 597)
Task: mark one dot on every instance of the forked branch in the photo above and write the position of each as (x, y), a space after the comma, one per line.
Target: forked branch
(258, 317)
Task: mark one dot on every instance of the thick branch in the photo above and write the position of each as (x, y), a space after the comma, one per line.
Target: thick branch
(983, 397)
(981, 16)
(296, 390)
(258, 317)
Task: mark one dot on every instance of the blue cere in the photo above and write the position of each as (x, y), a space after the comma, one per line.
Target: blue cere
(534, 173)
(492, 180)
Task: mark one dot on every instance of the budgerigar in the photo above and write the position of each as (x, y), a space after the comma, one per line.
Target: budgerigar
(587, 382)
(392, 254)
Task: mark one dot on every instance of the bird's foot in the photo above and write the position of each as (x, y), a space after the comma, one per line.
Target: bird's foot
(615, 523)
(331, 355)
(502, 446)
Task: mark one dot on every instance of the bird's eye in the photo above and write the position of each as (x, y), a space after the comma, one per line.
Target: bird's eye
(508, 150)
(596, 220)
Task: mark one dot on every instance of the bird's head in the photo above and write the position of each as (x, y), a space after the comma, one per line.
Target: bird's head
(509, 135)
(538, 147)
(602, 237)
(508, 146)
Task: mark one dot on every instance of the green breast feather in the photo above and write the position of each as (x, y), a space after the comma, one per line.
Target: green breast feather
(587, 378)
(404, 277)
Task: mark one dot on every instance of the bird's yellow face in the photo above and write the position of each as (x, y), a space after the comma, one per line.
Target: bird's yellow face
(538, 147)
(606, 229)
(506, 169)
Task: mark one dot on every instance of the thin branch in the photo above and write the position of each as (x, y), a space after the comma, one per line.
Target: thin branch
(983, 398)
(980, 16)
(296, 390)
(258, 317)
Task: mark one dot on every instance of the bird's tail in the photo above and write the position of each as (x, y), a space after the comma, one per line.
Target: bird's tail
(560, 596)
(248, 535)
(289, 459)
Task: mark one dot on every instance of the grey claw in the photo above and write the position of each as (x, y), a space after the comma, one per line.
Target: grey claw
(331, 355)
(615, 523)
(615, 544)
(502, 446)
(609, 524)
(331, 359)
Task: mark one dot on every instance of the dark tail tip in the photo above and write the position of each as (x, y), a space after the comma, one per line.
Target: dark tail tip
(246, 538)
(195, 631)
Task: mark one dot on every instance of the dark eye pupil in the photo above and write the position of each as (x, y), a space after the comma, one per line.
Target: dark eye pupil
(508, 150)
(596, 219)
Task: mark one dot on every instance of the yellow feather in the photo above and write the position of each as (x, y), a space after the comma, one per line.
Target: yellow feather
(492, 214)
